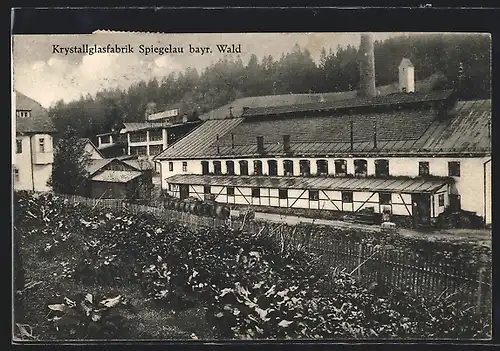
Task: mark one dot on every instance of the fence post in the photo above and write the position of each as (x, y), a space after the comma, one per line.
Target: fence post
(360, 254)
(480, 278)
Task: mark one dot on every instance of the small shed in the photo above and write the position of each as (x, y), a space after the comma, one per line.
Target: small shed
(116, 179)
(115, 184)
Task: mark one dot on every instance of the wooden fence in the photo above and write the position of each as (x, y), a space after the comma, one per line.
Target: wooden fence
(424, 273)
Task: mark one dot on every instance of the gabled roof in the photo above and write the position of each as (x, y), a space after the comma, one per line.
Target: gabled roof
(139, 164)
(405, 63)
(404, 132)
(88, 141)
(38, 121)
(386, 100)
(96, 165)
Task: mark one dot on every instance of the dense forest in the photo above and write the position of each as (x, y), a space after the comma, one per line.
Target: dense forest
(294, 72)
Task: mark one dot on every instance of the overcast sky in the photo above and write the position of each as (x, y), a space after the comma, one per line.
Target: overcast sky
(48, 77)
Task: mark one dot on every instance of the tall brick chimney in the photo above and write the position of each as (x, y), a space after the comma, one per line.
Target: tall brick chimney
(366, 67)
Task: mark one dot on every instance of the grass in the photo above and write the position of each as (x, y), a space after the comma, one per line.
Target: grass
(147, 319)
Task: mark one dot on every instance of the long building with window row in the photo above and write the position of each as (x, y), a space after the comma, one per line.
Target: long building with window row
(411, 153)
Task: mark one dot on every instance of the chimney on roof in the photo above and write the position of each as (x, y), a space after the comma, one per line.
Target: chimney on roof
(286, 143)
(406, 76)
(150, 109)
(230, 111)
(374, 134)
(232, 141)
(260, 144)
(218, 146)
(366, 67)
(352, 134)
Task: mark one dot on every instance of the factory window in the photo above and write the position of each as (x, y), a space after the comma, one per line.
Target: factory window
(314, 195)
(19, 146)
(204, 167)
(381, 168)
(288, 167)
(347, 196)
(283, 193)
(206, 189)
(154, 150)
(423, 169)
(217, 168)
(41, 144)
(138, 137)
(244, 168)
(454, 169)
(441, 200)
(384, 198)
(322, 166)
(257, 167)
(230, 190)
(139, 150)
(230, 167)
(23, 113)
(170, 166)
(305, 167)
(16, 174)
(340, 168)
(184, 166)
(360, 167)
(273, 167)
(156, 135)
(256, 192)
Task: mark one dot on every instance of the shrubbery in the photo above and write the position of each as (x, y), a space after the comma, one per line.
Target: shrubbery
(251, 285)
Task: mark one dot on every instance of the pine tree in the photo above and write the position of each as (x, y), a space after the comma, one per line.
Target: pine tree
(69, 173)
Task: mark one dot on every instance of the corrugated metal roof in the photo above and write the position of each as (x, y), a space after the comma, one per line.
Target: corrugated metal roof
(116, 176)
(198, 140)
(391, 99)
(398, 185)
(38, 120)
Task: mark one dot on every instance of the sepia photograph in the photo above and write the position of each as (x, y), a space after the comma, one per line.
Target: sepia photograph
(251, 186)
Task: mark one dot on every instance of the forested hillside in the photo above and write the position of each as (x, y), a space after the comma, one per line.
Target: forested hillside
(295, 72)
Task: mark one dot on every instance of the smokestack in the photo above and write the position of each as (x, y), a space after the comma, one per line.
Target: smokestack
(286, 143)
(260, 144)
(366, 67)
(352, 135)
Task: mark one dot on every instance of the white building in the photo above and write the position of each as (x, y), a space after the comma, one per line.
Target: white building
(411, 153)
(160, 130)
(92, 150)
(34, 156)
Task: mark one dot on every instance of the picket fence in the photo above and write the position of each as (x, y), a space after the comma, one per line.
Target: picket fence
(425, 274)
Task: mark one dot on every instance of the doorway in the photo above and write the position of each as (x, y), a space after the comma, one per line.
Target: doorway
(421, 206)
(184, 191)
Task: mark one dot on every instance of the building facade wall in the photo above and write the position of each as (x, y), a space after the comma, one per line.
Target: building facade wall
(401, 204)
(34, 168)
(93, 152)
(468, 185)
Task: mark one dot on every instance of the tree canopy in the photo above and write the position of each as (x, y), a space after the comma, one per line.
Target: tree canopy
(294, 72)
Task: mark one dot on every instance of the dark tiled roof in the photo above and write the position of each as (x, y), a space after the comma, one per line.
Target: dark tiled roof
(398, 132)
(38, 121)
(400, 185)
(140, 164)
(96, 165)
(273, 100)
(391, 99)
